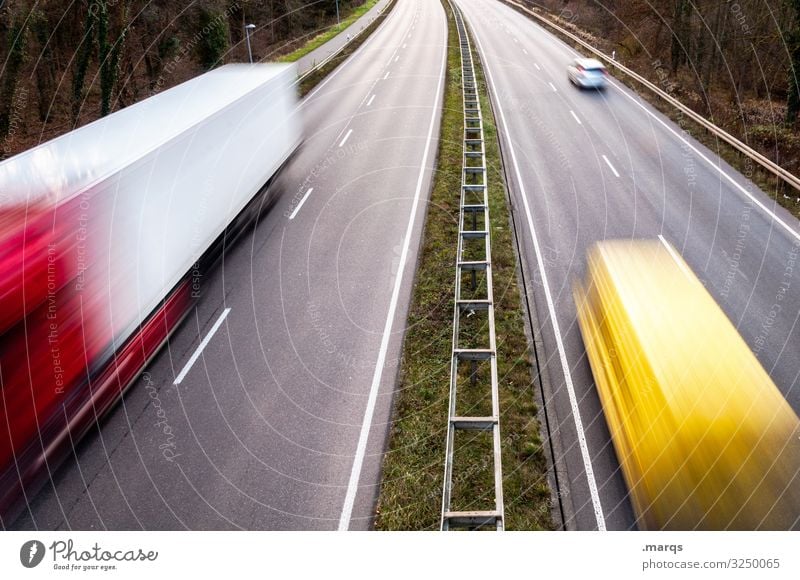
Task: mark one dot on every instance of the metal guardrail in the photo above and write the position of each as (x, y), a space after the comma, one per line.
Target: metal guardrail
(473, 232)
(770, 166)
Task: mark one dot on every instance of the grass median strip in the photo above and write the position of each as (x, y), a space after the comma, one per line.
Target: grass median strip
(413, 467)
(315, 77)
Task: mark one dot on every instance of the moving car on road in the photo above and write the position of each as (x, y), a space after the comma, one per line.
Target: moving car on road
(704, 438)
(587, 73)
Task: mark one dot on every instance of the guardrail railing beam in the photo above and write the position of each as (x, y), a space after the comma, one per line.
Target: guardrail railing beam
(473, 202)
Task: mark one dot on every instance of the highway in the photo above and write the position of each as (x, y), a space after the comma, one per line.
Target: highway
(269, 407)
(585, 166)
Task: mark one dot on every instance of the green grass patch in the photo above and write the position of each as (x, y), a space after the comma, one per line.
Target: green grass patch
(325, 36)
(413, 467)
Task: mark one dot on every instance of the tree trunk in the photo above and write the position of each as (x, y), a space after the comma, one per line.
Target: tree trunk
(82, 64)
(17, 39)
(109, 55)
(793, 44)
(680, 25)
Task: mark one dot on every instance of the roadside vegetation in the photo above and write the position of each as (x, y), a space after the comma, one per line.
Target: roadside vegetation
(734, 63)
(413, 467)
(330, 33)
(313, 79)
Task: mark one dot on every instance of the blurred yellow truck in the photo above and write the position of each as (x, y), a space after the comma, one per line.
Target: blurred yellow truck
(704, 438)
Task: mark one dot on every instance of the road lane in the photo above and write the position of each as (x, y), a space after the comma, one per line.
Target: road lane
(625, 171)
(262, 431)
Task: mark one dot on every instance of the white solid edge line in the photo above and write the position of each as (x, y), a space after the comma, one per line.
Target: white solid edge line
(718, 167)
(681, 264)
(372, 98)
(552, 86)
(302, 201)
(575, 117)
(200, 347)
(358, 461)
(346, 137)
(587, 461)
(610, 166)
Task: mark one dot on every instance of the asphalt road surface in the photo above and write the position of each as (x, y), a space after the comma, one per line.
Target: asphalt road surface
(587, 166)
(288, 363)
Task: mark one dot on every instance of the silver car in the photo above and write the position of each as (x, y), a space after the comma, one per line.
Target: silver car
(587, 73)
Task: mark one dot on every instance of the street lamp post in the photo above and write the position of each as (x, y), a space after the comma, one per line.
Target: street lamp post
(338, 22)
(247, 30)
